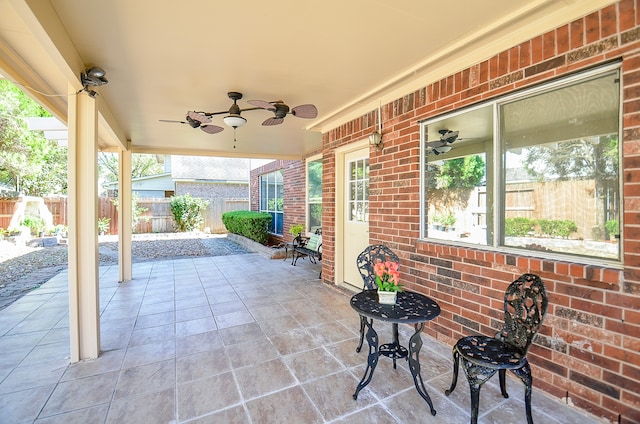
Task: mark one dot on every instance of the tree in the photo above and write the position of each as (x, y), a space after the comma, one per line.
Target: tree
(464, 172)
(593, 158)
(142, 165)
(29, 163)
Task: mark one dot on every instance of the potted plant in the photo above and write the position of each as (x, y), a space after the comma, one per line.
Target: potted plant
(388, 281)
(296, 229)
(449, 222)
(34, 223)
(103, 225)
(613, 228)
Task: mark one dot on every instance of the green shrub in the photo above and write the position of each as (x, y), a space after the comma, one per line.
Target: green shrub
(518, 227)
(187, 211)
(250, 224)
(557, 227)
(613, 227)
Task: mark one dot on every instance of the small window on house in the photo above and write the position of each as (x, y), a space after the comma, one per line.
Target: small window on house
(272, 199)
(537, 170)
(314, 195)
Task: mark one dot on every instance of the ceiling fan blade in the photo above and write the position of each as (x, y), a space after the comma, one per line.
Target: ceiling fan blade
(273, 121)
(263, 104)
(305, 111)
(211, 129)
(199, 116)
(171, 121)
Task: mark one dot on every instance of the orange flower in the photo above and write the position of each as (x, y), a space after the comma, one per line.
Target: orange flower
(387, 276)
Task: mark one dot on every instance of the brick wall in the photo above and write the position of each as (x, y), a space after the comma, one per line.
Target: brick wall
(590, 343)
(294, 191)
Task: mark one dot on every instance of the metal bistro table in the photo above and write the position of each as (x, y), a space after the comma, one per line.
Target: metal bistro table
(410, 308)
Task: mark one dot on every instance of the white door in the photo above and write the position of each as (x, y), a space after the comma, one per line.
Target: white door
(356, 213)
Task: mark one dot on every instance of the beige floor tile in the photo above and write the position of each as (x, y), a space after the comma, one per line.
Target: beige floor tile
(146, 378)
(206, 395)
(95, 414)
(202, 364)
(332, 395)
(233, 415)
(156, 407)
(263, 378)
(286, 406)
(198, 343)
(313, 364)
(25, 405)
(374, 414)
(81, 393)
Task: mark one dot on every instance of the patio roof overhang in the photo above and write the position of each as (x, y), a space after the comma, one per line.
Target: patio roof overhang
(162, 61)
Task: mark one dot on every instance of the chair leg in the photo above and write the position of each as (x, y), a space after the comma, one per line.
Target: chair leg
(363, 322)
(477, 375)
(524, 374)
(454, 380)
(502, 374)
(475, 402)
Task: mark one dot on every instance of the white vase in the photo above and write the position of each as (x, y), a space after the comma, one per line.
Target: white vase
(387, 297)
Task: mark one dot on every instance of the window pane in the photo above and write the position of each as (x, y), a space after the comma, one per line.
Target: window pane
(358, 209)
(314, 195)
(562, 174)
(456, 195)
(272, 199)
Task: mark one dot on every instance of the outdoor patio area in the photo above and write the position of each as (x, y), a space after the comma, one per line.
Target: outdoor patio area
(228, 339)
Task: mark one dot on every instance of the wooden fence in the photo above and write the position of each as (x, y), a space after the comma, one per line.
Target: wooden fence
(156, 218)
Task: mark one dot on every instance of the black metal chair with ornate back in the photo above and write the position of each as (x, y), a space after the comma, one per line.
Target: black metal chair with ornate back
(365, 262)
(525, 306)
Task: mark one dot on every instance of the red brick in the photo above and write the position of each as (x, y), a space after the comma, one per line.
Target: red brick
(592, 25)
(608, 22)
(576, 33)
(626, 14)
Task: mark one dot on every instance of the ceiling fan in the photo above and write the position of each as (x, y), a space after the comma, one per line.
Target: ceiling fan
(443, 144)
(280, 110)
(234, 118)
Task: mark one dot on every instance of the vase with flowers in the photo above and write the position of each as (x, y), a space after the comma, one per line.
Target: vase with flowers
(388, 281)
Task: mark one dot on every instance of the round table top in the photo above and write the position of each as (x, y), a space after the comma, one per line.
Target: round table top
(410, 307)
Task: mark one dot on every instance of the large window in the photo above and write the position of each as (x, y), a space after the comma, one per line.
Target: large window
(272, 199)
(537, 170)
(314, 194)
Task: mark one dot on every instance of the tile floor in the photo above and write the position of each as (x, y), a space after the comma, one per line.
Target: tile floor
(227, 339)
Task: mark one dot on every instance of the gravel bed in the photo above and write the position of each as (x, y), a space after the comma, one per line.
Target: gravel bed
(24, 268)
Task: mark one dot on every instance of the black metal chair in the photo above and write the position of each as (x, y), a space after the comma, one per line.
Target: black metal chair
(525, 306)
(365, 262)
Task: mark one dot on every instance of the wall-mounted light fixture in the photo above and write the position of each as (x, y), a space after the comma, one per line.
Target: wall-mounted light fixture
(375, 139)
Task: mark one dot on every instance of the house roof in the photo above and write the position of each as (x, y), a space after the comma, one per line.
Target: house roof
(210, 169)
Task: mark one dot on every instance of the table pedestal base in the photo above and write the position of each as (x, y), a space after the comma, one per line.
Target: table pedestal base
(395, 351)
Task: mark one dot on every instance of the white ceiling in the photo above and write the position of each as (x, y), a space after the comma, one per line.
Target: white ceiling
(163, 58)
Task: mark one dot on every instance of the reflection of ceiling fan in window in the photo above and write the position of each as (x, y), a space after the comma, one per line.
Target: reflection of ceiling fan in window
(443, 144)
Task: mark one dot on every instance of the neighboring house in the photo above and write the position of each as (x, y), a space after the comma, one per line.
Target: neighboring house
(211, 177)
(204, 177)
(564, 103)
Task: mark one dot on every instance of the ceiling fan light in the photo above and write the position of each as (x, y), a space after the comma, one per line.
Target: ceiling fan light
(442, 149)
(234, 121)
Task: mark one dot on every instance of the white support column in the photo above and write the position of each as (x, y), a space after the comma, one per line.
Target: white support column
(125, 200)
(84, 302)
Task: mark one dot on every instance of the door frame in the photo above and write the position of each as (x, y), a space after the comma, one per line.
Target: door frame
(340, 208)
